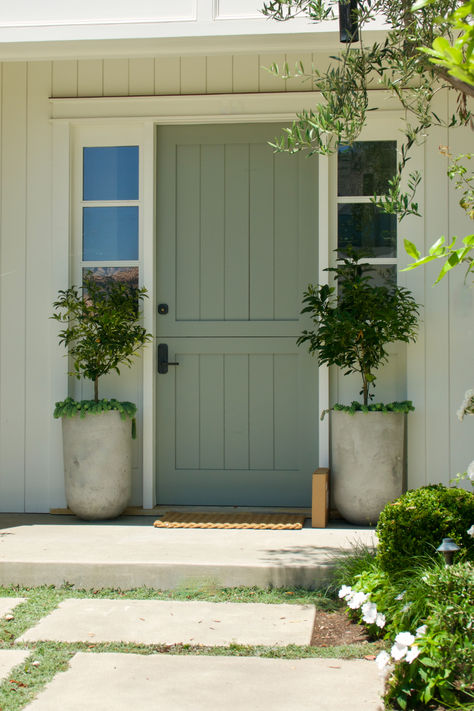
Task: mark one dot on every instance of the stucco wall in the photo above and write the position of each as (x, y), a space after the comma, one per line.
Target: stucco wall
(439, 365)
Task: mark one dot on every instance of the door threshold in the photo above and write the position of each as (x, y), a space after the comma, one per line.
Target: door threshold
(160, 509)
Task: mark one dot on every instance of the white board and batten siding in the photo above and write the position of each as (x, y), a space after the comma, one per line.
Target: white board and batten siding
(34, 264)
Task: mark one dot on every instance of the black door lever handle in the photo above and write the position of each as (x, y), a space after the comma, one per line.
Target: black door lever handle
(163, 362)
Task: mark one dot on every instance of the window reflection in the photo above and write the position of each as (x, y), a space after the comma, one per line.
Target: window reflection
(110, 233)
(110, 173)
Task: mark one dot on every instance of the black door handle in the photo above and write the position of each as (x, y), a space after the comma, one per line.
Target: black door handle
(163, 358)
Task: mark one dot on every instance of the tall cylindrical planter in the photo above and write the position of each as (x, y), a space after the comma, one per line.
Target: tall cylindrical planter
(367, 463)
(97, 464)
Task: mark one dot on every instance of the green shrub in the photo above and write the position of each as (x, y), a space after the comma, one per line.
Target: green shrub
(442, 671)
(414, 525)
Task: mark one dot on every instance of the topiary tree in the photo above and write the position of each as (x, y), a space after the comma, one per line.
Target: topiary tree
(353, 326)
(102, 327)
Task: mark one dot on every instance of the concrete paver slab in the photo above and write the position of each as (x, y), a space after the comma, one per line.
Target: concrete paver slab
(7, 604)
(10, 658)
(174, 622)
(102, 682)
(130, 552)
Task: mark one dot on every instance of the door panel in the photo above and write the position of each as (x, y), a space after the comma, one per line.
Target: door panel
(237, 244)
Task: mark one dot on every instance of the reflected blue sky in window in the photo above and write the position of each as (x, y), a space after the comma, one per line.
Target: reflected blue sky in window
(110, 233)
(110, 173)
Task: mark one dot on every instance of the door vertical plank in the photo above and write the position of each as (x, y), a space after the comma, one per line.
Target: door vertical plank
(236, 381)
(13, 287)
(211, 411)
(261, 411)
(286, 237)
(236, 232)
(212, 232)
(188, 232)
(261, 232)
(187, 410)
(141, 76)
(286, 411)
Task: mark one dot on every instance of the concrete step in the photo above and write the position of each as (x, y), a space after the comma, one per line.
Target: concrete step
(43, 549)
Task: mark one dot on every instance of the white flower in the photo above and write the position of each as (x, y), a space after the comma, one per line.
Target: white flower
(356, 600)
(467, 405)
(406, 607)
(401, 596)
(380, 620)
(345, 591)
(404, 639)
(382, 660)
(420, 631)
(398, 651)
(471, 531)
(369, 612)
(412, 654)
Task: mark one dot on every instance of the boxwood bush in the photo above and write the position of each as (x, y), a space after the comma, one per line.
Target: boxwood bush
(415, 524)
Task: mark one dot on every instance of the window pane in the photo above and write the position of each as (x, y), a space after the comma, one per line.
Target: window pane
(367, 228)
(110, 233)
(125, 275)
(365, 167)
(110, 173)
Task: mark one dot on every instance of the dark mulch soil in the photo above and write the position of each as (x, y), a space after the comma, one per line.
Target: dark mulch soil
(335, 628)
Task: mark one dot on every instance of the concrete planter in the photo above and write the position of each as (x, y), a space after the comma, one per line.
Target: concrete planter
(367, 463)
(97, 464)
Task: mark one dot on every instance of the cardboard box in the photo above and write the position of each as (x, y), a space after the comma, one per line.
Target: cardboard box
(320, 498)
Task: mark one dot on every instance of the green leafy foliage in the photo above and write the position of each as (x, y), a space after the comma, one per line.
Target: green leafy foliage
(102, 327)
(353, 327)
(73, 408)
(415, 524)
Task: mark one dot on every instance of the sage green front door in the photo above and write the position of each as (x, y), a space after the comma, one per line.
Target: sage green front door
(237, 420)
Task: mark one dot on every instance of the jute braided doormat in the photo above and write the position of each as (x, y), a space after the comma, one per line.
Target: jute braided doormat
(177, 519)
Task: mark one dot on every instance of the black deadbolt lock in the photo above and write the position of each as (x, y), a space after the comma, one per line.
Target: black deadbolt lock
(162, 309)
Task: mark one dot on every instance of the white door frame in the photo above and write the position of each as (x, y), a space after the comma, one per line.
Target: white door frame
(141, 115)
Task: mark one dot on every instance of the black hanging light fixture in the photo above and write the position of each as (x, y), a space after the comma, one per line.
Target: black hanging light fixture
(348, 21)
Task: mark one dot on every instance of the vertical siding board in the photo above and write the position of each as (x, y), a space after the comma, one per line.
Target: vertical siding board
(436, 311)
(90, 77)
(268, 82)
(212, 232)
(261, 411)
(299, 83)
(211, 411)
(193, 75)
(261, 232)
(286, 283)
(236, 383)
(39, 257)
(13, 288)
(245, 74)
(188, 233)
(65, 78)
(461, 326)
(115, 77)
(141, 76)
(168, 75)
(236, 232)
(219, 74)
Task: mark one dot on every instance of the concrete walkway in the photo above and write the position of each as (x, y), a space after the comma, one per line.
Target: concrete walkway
(130, 552)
